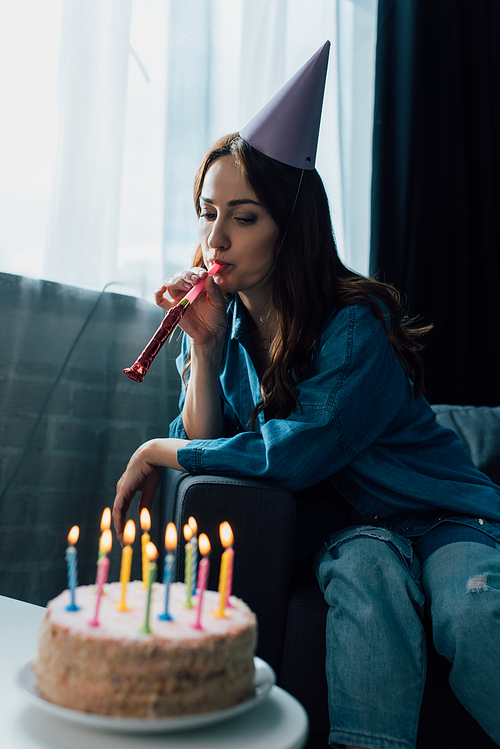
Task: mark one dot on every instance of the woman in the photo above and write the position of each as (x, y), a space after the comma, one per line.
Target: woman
(299, 371)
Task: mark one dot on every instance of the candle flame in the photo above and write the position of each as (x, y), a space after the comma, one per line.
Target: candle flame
(106, 519)
(188, 532)
(145, 519)
(106, 541)
(204, 544)
(171, 537)
(73, 534)
(226, 534)
(129, 532)
(151, 551)
(193, 525)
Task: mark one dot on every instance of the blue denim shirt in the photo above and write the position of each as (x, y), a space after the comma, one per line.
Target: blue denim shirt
(357, 424)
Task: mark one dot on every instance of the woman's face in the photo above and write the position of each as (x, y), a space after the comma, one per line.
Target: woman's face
(236, 231)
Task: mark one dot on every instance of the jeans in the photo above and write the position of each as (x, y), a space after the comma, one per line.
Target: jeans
(377, 590)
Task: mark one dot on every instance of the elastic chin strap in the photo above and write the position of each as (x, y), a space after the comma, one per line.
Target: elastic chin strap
(290, 216)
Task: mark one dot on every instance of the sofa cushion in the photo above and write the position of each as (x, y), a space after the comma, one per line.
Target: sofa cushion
(479, 429)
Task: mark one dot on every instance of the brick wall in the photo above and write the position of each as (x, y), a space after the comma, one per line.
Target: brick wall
(68, 428)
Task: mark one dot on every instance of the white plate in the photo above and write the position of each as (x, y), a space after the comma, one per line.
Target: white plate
(264, 679)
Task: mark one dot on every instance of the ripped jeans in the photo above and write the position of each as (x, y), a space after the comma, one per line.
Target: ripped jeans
(376, 589)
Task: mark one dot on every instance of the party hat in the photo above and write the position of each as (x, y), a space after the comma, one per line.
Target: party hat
(287, 128)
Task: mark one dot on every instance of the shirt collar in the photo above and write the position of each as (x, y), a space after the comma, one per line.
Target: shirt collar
(239, 327)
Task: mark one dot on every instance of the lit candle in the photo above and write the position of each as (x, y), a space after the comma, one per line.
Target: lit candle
(194, 560)
(168, 570)
(126, 565)
(151, 554)
(145, 520)
(102, 572)
(226, 537)
(105, 526)
(204, 546)
(71, 559)
(188, 558)
(228, 533)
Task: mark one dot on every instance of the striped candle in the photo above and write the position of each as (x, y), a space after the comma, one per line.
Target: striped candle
(102, 576)
(226, 568)
(145, 521)
(168, 570)
(229, 585)
(151, 554)
(194, 554)
(126, 565)
(71, 560)
(188, 558)
(202, 577)
(105, 526)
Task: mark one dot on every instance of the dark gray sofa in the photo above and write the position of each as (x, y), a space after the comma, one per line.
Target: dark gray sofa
(292, 612)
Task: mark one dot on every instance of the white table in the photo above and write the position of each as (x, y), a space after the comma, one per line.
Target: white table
(279, 722)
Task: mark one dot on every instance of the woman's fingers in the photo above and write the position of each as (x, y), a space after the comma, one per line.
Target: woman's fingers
(120, 508)
(178, 286)
(140, 476)
(214, 293)
(206, 317)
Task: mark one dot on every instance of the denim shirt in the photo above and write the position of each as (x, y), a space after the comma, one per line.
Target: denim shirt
(358, 424)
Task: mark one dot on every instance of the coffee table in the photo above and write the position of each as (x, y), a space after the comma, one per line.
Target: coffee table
(278, 722)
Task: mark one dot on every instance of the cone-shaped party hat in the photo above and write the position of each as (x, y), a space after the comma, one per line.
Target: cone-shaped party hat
(287, 128)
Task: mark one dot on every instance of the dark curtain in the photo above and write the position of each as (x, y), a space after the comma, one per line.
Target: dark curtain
(436, 184)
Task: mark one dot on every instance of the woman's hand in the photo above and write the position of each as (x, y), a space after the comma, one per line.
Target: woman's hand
(205, 319)
(143, 474)
(205, 323)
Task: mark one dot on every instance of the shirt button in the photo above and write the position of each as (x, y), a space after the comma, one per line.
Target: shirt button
(409, 527)
(481, 521)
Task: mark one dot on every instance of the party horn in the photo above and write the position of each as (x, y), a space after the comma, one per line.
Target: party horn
(139, 369)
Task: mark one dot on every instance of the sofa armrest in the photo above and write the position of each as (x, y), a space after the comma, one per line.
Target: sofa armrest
(262, 517)
(479, 429)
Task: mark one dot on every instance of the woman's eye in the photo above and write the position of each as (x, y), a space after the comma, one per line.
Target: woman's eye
(246, 219)
(208, 216)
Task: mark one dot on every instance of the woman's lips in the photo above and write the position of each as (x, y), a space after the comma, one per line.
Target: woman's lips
(223, 266)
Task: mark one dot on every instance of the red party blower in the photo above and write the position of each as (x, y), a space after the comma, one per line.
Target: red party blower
(139, 369)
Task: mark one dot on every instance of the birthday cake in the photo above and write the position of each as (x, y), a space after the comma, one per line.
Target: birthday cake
(115, 669)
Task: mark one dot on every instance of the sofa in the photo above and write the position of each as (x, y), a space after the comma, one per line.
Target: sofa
(291, 612)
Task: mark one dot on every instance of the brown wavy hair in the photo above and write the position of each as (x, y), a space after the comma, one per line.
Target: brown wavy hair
(310, 279)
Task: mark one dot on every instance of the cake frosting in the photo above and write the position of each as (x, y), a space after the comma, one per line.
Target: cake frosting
(114, 669)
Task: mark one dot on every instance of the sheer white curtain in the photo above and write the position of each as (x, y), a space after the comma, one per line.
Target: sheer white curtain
(84, 219)
(356, 41)
(110, 104)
